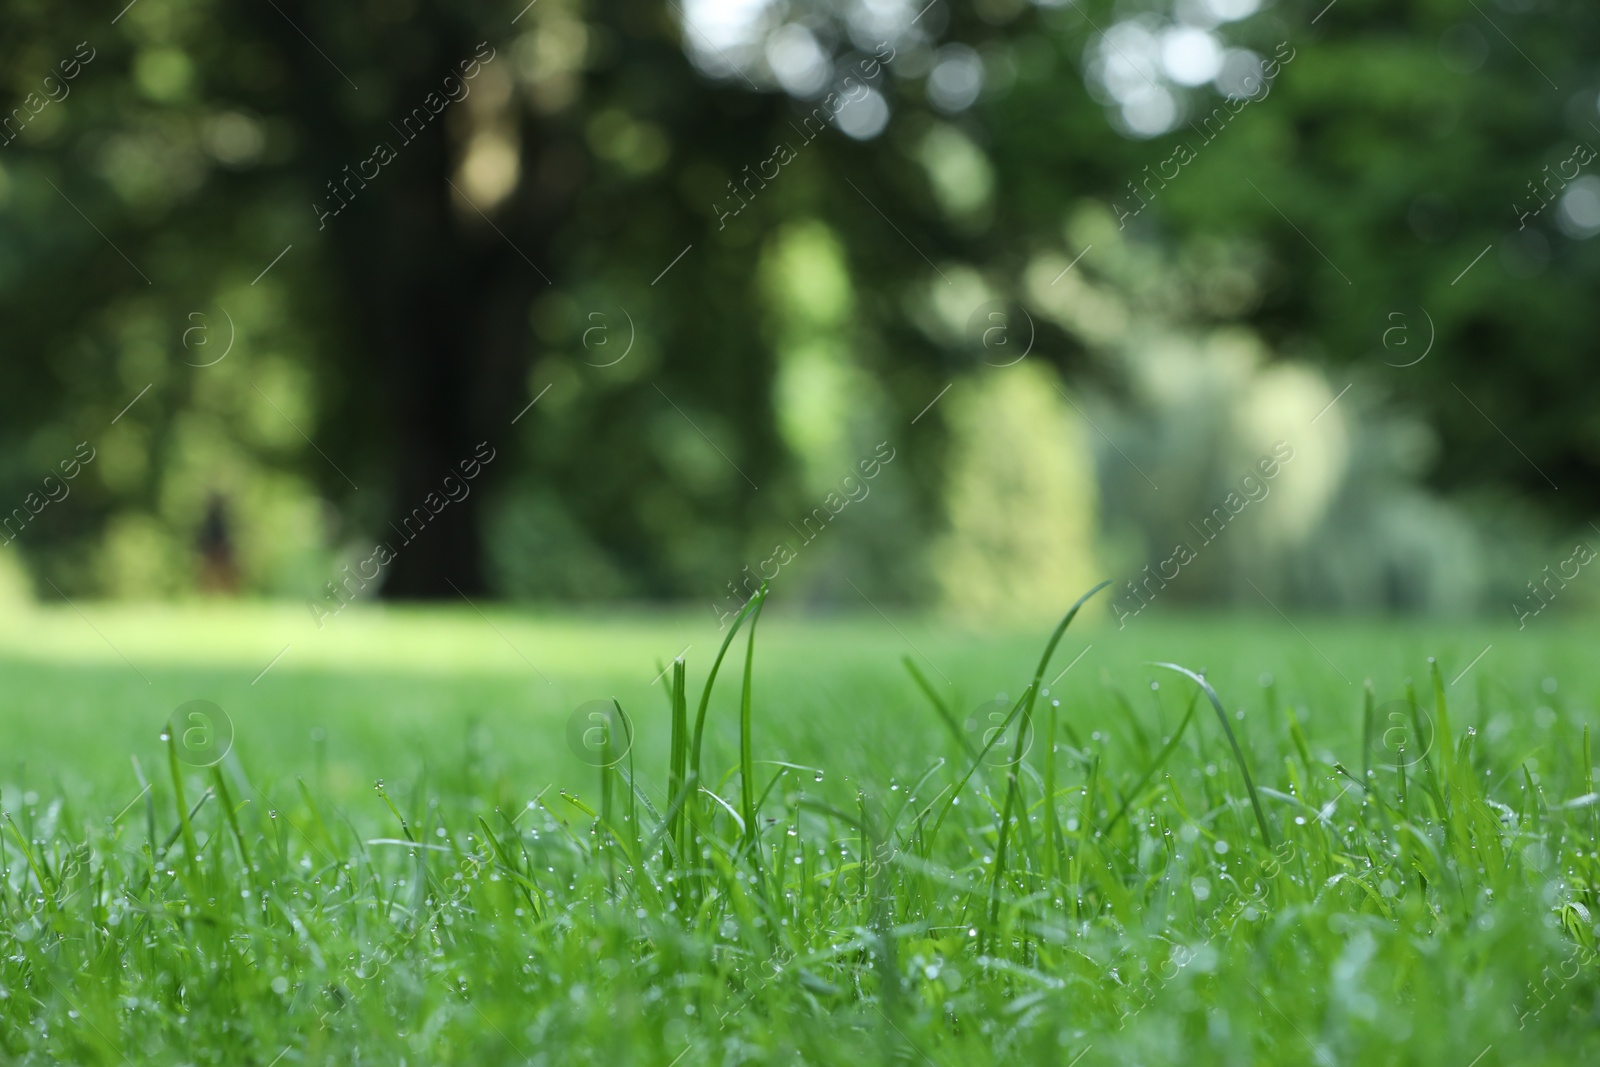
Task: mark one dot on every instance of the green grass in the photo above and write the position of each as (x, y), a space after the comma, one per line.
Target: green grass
(837, 864)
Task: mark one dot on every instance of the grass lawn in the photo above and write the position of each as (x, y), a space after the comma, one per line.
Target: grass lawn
(850, 866)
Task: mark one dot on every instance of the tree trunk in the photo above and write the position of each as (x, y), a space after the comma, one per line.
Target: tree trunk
(441, 298)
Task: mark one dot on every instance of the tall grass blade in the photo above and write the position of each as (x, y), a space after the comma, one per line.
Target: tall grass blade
(1052, 824)
(955, 794)
(677, 775)
(1233, 742)
(1013, 785)
(190, 849)
(633, 800)
(752, 606)
(946, 716)
(1160, 760)
(1588, 785)
(1368, 710)
(233, 818)
(747, 772)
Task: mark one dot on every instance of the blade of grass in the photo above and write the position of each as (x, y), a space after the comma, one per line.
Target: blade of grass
(233, 818)
(750, 607)
(1233, 742)
(1588, 785)
(1016, 710)
(677, 784)
(1443, 736)
(149, 809)
(939, 706)
(190, 849)
(1166, 751)
(1013, 785)
(46, 886)
(633, 800)
(1052, 829)
(1366, 734)
(747, 775)
(405, 827)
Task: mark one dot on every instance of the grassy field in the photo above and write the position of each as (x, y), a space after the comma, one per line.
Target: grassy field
(849, 866)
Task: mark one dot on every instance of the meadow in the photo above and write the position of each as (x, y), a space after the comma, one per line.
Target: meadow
(871, 841)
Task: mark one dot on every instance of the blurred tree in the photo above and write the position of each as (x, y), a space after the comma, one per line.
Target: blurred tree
(1413, 176)
(404, 258)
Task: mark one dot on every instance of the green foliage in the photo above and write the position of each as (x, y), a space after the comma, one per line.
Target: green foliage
(140, 214)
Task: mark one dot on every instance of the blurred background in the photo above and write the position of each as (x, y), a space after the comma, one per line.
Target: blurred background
(958, 307)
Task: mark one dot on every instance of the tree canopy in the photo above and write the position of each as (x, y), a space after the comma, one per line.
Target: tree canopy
(666, 273)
